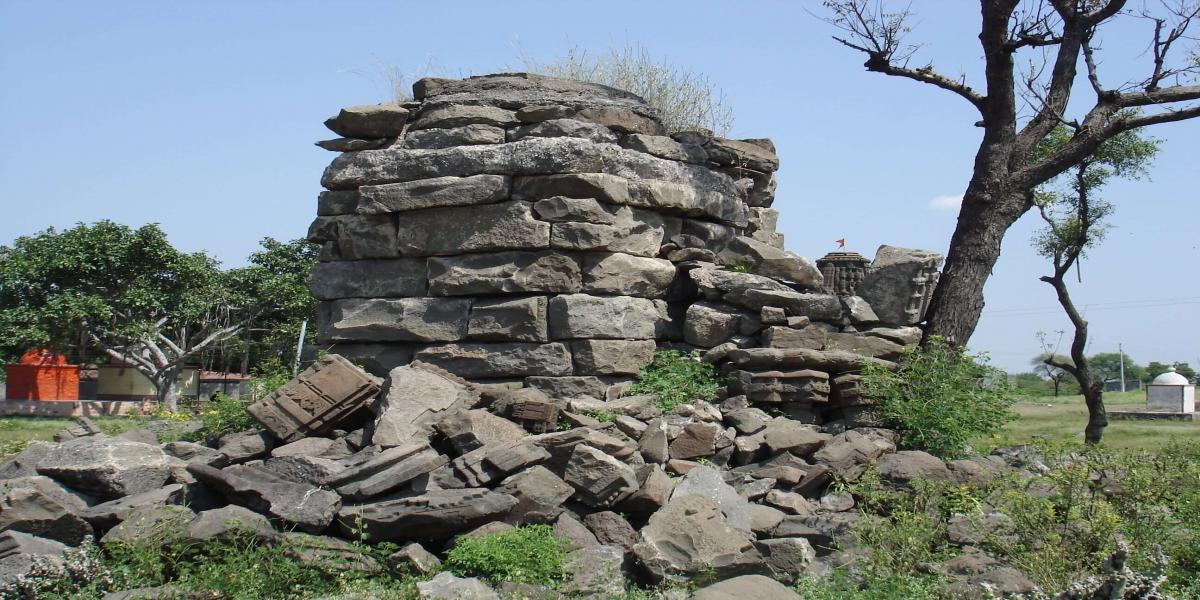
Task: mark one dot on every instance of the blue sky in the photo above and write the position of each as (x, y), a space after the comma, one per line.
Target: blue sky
(201, 117)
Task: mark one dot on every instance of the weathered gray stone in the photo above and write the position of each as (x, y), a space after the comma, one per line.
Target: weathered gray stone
(847, 454)
(467, 135)
(698, 191)
(715, 283)
(357, 236)
(376, 359)
(789, 502)
(191, 451)
(654, 443)
(500, 359)
(19, 552)
(312, 470)
(586, 316)
(243, 446)
(707, 482)
(596, 573)
(696, 440)
(105, 467)
(901, 335)
(561, 209)
(859, 310)
(445, 586)
(787, 559)
(899, 284)
(622, 119)
(504, 273)
(833, 361)
(228, 522)
(337, 203)
(612, 529)
(570, 386)
(471, 429)
(389, 470)
(539, 495)
(414, 558)
(153, 524)
(708, 325)
(369, 122)
(313, 446)
(461, 229)
(458, 115)
(24, 463)
(599, 480)
(787, 435)
(768, 260)
(758, 587)
(432, 193)
(107, 514)
(38, 506)
(690, 536)
(436, 514)
(663, 195)
(367, 279)
(764, 518)
(665, 147)
(817, 307)
(612, 357)
(397, 319)
(743, 153)
(907, 466)
(626, 275)
(536, 94)
(564, 128)
(354, 145)
(632, 238)
(308, 508)
(570, 529)
(509, 320)
(414, 398)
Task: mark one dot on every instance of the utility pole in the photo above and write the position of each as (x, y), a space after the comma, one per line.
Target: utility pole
(299, 347)
(1122, 353)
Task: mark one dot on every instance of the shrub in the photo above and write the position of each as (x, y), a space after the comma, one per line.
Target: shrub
(530, 554)
(676, 378)
(939, 398)
(222, 415)
(685, 99)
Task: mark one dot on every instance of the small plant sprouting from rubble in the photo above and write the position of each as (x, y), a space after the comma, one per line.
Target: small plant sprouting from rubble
(676, 378)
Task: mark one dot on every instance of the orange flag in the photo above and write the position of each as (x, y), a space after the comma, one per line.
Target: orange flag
(841, 243)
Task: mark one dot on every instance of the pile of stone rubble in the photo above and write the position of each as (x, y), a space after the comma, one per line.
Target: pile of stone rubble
(423, 457)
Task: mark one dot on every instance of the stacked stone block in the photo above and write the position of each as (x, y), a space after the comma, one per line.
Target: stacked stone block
(514, 227)
(519, 230)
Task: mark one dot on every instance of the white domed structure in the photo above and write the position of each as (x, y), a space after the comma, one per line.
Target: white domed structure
(1171, 392)
(1170, 378)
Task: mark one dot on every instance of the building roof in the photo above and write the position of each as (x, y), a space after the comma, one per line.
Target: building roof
(1170, 378)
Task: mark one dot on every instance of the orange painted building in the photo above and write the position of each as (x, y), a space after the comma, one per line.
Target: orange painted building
(42, 375)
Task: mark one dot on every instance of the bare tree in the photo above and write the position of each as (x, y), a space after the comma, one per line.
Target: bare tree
(160, 353)
(1074, 219)
(1047, 363)
(1019, 109)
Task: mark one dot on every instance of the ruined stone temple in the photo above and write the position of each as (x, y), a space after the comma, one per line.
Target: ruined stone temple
(524, 231)
(502, 255)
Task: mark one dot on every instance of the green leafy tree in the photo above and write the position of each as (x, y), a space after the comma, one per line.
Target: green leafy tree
(1155, 368)
(125, 291)
(1030, 384)
(276, 300)
(1107, 367)
(1074, 215)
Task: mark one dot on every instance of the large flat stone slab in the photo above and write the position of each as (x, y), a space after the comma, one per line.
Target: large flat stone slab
(397, 320)
(504, 273)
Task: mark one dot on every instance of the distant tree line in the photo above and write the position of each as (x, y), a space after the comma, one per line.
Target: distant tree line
(105, 292)
(1048, 381)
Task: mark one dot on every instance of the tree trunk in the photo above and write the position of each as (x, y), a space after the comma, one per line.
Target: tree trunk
(1093, 396)
(958, 299)
(168, 390)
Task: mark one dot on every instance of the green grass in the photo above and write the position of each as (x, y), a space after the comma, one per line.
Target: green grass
(17, 431)
(1063, 418)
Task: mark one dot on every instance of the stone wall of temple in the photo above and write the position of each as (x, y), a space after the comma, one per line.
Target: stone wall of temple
(519, 230)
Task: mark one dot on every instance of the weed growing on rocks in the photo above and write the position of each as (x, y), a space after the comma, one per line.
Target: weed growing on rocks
(940, 398)
(676, 378)
(530, 554)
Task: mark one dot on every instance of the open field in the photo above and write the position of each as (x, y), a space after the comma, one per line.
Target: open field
(1063, 418)
(15, 432)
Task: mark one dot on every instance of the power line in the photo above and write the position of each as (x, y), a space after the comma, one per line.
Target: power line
(1095, 306)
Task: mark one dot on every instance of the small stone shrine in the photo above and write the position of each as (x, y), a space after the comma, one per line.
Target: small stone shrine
(1171, 392)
